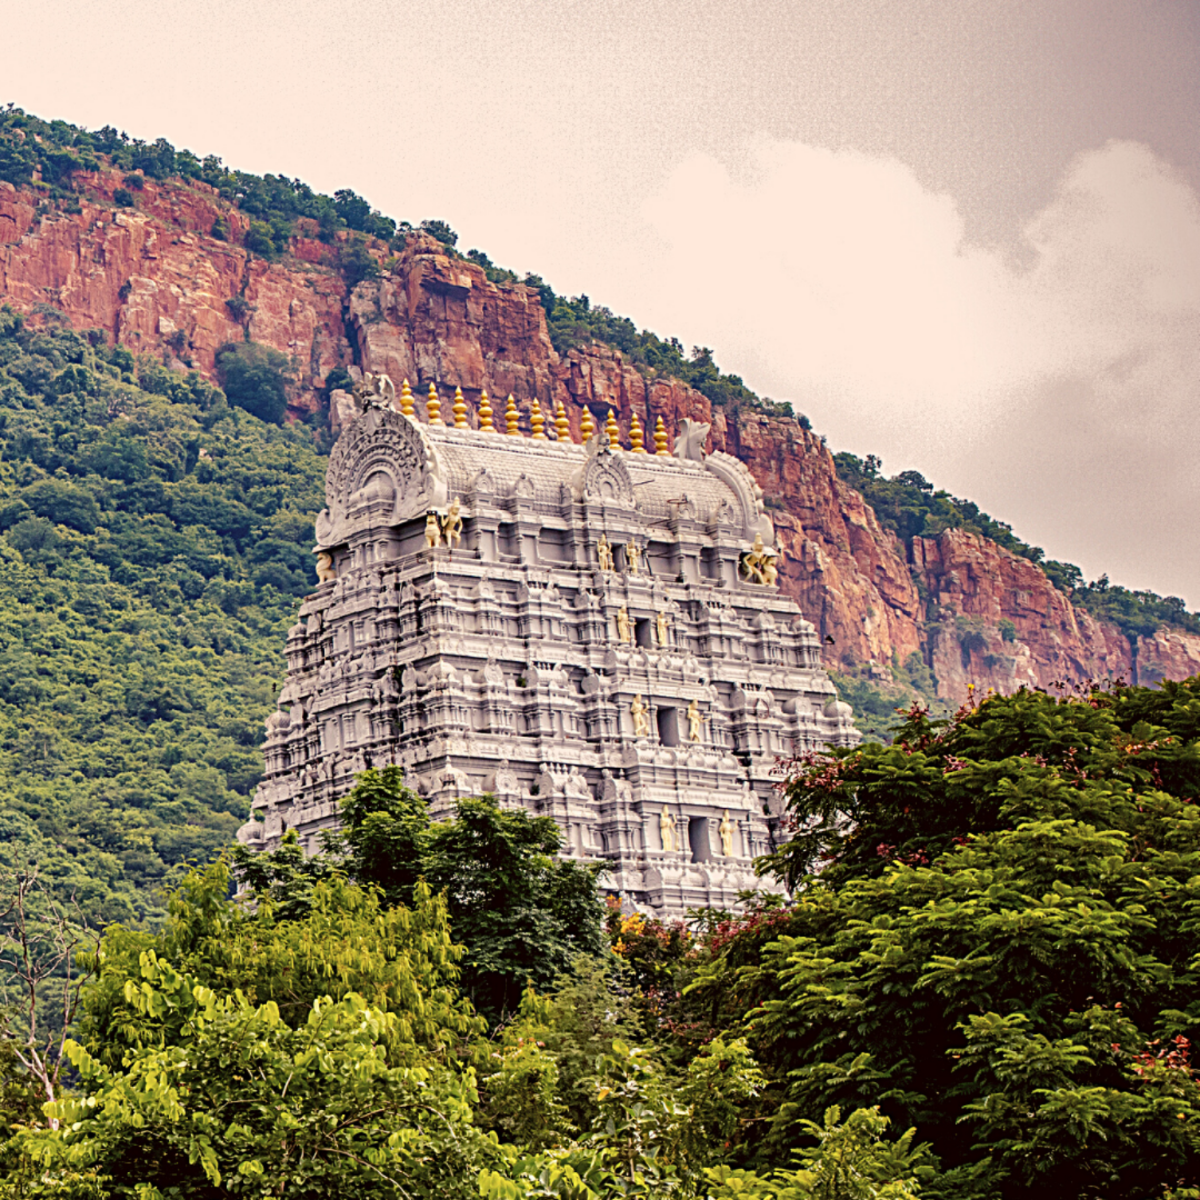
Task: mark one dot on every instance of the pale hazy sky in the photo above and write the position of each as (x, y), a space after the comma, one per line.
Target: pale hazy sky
(963, 236)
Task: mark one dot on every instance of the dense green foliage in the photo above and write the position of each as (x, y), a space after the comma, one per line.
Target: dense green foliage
(56, 149)
(523, 914)
(242, 1052)
(255, 378)
(154, 544)
(322, 1049)
(1001, 948)
(993, 980)
(908, 505)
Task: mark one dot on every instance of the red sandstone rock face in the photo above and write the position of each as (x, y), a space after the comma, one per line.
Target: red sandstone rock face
(1169, 654)
(979, 615)
(143, 273)
(973, 586)
(433, 318)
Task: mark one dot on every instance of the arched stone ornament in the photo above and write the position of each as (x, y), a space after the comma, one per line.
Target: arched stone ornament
(382, 462)
(606, 481)
(736, 477)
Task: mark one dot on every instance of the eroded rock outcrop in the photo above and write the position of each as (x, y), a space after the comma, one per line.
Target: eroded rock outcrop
(149, 273)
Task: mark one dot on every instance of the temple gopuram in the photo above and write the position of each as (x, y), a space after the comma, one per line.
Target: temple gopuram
(590, 632)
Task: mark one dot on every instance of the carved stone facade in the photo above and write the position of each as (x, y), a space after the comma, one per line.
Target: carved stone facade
(596, 645)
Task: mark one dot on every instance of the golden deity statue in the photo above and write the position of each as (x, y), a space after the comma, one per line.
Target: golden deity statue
(604, 554)
(633, 556)
(758, 564)
(641, 717)
(725, 829)
(452, 524)
(666, 828)
(695, 722)
(660, 627)
(623, 624)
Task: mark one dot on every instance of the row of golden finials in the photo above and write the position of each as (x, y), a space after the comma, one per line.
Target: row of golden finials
(562, 428)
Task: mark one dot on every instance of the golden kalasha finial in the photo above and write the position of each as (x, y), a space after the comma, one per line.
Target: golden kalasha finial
(537, 421)
(635, 435)
(460, 410)
(562, 427)
(406, 401)
(614, 434)
(485, 414)
(511, 416)
(587, 427)
(660, 440)
(433, 406)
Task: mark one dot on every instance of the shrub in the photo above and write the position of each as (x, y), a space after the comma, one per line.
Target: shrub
(356, 264)
(63, 504)
(258, 239)
(440, 230)
(337, 379)
(254, 378)
(239, 307)
(33, 534)
(123, 198)
(220, 230)
(136, 182)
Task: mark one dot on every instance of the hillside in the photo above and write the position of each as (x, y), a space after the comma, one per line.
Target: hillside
(175, 258)
(155, 542)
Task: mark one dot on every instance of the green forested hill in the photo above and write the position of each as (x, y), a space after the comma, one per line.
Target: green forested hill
(155, 543)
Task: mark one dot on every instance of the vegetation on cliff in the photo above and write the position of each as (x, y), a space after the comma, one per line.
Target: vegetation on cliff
(988, 992)
(908, 505)
(155, 543)
(48, 153)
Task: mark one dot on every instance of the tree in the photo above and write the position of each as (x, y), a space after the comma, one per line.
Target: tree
(254, 377)
(356, 264)
(1000, 948)
(523, 914)
(440, 230)
(46, 956)
(240, 1101)
(340, 940)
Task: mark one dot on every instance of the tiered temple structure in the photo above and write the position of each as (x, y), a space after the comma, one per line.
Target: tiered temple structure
(590, 632)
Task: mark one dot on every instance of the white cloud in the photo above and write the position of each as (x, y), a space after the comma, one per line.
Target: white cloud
(1053, 380)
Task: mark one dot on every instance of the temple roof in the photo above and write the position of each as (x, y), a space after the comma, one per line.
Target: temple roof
(387, 461)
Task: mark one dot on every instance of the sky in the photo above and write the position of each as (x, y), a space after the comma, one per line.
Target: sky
(962, 236)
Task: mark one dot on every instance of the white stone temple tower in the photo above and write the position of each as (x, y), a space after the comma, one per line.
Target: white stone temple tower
(589, 632)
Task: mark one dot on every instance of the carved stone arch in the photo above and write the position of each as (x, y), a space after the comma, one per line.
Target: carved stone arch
(483, 486)
(392, 455)
(737, 478)
(606, 479)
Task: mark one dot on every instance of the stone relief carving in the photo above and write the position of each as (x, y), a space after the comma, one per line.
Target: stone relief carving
(606, 479)
(389, 452)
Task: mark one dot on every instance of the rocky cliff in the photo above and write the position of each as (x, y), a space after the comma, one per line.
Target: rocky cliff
(154, 279)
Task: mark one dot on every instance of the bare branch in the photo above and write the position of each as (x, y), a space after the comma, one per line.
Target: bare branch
(41, 943)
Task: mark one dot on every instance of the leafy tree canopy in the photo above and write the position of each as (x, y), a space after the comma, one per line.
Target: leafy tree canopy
(155, 542)
(523, 914)
(255, 378)
(1000, 950)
